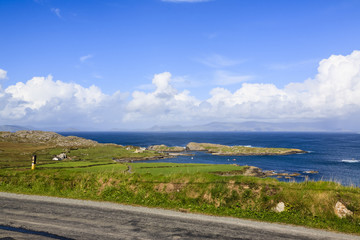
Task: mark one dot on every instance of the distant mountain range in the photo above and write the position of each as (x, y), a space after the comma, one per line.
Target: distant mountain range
(253, 126)
(249, 126)
(12, 128)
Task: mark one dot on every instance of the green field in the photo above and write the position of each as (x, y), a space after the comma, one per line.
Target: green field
(91, 173)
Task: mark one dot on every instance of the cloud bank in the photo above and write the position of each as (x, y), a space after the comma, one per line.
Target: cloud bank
(41, 100)
(333, 93)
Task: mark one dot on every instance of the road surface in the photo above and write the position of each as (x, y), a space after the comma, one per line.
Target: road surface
(36, 217)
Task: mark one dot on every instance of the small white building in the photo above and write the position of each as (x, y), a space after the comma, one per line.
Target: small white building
(60, 157)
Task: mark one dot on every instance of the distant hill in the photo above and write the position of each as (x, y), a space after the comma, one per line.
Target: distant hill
(252, 126)
(46, 138)
(172, 128)
(12, 128)
(70, 129)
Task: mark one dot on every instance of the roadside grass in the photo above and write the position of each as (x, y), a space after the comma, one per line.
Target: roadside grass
(92, 174)
(171, 168)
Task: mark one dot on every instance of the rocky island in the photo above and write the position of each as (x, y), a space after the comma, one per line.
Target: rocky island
(224, 150)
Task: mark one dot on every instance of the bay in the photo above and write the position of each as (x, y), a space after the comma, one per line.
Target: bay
(336, 156)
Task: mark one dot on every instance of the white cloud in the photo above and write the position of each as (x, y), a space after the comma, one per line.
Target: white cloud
(40, 91)
(41, 99)
(163, 104)
(56, 11)
(86, 57)
(333, 93)
(3, 74)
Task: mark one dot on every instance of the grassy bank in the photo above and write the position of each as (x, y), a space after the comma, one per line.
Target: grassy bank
(91, 173)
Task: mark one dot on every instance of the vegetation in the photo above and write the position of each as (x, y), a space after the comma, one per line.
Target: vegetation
(218, 149)
(164, 148)
(92, 173)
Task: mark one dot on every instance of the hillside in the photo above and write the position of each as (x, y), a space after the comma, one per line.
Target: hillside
(48, 138)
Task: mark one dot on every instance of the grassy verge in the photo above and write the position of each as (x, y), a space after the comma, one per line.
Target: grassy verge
(92, 174)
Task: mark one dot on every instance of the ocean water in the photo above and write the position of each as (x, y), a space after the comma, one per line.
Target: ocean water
(335, 155)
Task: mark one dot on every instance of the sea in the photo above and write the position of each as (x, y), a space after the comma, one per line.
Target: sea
(335, 156)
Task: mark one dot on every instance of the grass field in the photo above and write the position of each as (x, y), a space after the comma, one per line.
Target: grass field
(91, 173)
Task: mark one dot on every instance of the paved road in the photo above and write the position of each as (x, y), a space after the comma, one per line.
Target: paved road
(35, 217)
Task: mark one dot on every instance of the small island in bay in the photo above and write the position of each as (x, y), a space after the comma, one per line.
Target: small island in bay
(224, 150)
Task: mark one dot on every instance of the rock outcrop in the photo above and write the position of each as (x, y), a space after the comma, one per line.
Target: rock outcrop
(254, 172)
(193, 146)
(48, 138)
(341, 210)
(164, 148)
(280, 207)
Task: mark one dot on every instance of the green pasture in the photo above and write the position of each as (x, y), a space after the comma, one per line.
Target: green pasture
(176, 168)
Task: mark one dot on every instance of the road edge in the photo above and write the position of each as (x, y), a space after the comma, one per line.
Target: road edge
(256, 225)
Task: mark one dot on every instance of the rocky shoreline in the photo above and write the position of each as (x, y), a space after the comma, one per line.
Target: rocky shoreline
(258, 172)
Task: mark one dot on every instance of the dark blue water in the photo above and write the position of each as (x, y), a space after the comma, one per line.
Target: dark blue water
(327, 151)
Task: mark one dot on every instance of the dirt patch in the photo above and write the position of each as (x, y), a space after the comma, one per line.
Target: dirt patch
(233, 187)
(230, 173)
(270, 191)
(207, 197)
(169, 187)
(133, 188)
(192, 194)
(159, 187)
(104, 184)
(246, 171)
(174, 187)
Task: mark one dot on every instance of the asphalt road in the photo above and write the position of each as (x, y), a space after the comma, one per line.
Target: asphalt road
(36, 217)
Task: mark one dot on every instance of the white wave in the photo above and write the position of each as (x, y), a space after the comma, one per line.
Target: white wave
(350, 160)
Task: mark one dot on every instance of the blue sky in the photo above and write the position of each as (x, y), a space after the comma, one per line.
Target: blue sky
(148, 62)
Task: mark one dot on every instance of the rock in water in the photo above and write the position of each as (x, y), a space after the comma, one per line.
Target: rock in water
(341, 211)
